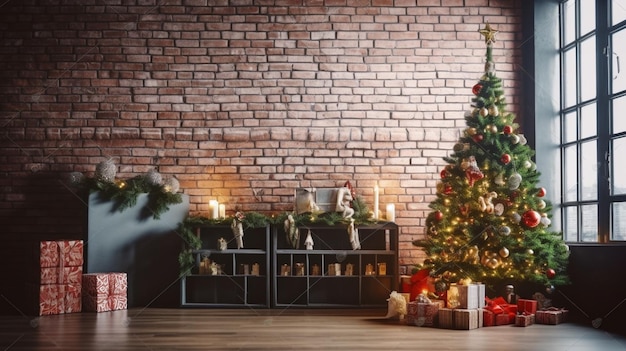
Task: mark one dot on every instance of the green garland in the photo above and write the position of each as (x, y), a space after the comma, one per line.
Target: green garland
(124, 194)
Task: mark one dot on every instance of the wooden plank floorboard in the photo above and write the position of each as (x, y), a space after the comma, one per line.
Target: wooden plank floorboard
(287, 329)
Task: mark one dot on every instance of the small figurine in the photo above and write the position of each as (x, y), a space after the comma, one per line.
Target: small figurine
(353, 234)
(293, 235)
(222, 244)
(396, 306)
(237, 229)
(509, 294)
(308, 242)
(344, 198)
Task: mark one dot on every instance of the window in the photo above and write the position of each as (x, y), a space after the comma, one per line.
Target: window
(593, 120)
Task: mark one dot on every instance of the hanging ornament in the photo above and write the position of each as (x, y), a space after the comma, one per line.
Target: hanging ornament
(473, 173)
(153, 177)
(476, 89)
(527, 164)
(531, 218)
(491, 128)
(438, 216)
(514, 181)
(516, 217)
(498, 209)
(465, 164)
(541, 204)
(504, 230)
(506, 158)
(464, 209)
(461, 147)
(483, 112)
(507, 130)
(493, 110)
(514, 139)
(550, 289)
(106, 171)
(171, 185)
(470, 131)
(485, 202)
(522, 139)
(478, 138)
(541, 192)
(530, 252)
(545, 221)
(550, 273)
(504, 252)
(499, 180)
(444, 173)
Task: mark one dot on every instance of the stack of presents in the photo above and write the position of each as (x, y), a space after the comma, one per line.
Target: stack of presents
(64, 288)
(465, 307)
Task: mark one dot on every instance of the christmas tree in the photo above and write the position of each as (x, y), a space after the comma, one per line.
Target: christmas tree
(490, 221)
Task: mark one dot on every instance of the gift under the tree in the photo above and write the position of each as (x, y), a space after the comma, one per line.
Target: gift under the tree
(498, 312)
(525, 306)
(470, 296)
(422, 314)
(104, 292)
(551, 315)
(60, 269)
(524, 320)
(459, 318)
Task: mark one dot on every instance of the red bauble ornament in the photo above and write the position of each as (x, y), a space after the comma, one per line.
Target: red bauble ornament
(438, 215)
(476, 89)
(550, 273)
(507, 130)
(447, 189)
(506, 158)
(444, 173)
(478, 138)
(531, 218)
(541, 192)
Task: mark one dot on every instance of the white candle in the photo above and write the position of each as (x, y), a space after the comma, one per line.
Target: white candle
(222, 211)
(376, 201)
(391, 212)
(213, 209)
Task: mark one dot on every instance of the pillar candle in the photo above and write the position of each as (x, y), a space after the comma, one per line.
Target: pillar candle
(213, 209)
(376, 201)
(222, 211)
(391, 212)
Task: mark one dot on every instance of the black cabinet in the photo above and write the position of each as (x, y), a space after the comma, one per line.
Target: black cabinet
(228, 276)
(333, 274)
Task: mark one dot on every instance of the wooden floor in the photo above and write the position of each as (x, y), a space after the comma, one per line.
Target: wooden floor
(288, 329)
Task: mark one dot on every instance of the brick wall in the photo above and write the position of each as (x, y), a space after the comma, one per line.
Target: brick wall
(241, 100)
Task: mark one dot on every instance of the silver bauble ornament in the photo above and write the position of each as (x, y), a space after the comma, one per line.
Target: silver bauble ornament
(106, 171)
(75, 178)
(505, 230)
(516, 217)
(514, 181)
(522, 139)
(504, 252)
(172, 185)
(514, 139)
(153, 177)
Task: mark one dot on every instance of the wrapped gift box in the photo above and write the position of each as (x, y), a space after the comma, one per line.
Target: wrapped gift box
(526, 306)
(445, 318)
(551, 316)
(466, 319)
(422, 314)
(498, 312)
(104, 292)
(524, 320)
(60, 276)
(470, 296)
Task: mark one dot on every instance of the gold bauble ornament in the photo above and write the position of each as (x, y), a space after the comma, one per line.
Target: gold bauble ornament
(504, 252)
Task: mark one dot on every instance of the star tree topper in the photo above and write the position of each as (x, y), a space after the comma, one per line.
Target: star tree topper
(489, 33)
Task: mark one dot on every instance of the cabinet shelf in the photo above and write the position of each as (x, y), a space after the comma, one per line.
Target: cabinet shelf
(233, 283)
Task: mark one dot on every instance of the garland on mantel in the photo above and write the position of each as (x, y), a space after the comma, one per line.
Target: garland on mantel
(186, 228)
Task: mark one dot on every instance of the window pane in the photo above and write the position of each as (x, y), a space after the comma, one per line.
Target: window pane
(619, 123)
(588, 121)
(618, 45)
(570, 174)
(587, 16)
(588, 69)
(569, 127)
(618, 8)
(569, 78)
(618, 177)
(589, 217)
(589, 171)
(619, 221)
(569, 21)
(570, 232)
